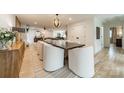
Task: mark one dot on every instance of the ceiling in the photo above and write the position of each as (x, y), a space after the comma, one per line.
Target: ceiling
(118, 20)
(46, 20)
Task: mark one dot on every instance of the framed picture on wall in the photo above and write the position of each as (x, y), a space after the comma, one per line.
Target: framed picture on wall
(97, 32)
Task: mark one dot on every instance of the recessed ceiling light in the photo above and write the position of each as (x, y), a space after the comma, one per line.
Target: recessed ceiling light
(70, 18)
(35, 23)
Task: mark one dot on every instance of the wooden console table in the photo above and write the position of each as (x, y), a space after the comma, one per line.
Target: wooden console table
(11, 60)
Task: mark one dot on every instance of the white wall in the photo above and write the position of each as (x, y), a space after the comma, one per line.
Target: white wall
(123, 37)
(83, 30)
(30, 36)
(99, 43)
(7, 20)
(86, 31)
(106, 36)
(48, 33)
(76, 30)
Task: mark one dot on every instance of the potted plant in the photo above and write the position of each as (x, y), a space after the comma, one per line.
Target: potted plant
(6, 36)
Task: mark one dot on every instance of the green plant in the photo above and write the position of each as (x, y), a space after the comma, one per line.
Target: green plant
(5, 36)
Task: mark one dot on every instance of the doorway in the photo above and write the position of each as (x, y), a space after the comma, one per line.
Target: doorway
(116, 36)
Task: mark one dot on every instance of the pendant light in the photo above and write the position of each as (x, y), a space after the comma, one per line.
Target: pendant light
(56, 21)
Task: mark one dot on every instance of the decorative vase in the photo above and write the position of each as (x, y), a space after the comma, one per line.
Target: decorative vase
(9, 44)
(4, 45)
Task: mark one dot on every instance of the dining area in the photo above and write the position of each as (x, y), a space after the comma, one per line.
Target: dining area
(56, 54)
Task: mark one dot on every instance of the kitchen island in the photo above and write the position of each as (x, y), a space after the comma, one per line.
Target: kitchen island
(79, 58)
(55, 51)
(11, 60)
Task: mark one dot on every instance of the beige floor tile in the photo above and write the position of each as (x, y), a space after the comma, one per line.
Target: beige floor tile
(109, 64)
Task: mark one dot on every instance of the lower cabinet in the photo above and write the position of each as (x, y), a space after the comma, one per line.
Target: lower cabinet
(11, 61)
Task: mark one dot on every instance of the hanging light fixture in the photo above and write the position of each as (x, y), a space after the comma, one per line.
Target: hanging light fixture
(56, 21)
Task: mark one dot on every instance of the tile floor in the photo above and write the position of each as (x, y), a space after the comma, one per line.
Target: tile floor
(109, 64)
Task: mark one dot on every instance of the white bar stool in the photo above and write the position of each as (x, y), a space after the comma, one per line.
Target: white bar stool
(81, 61)
(53, 57)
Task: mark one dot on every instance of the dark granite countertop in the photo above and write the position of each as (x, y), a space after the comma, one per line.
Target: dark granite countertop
(64, 44)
